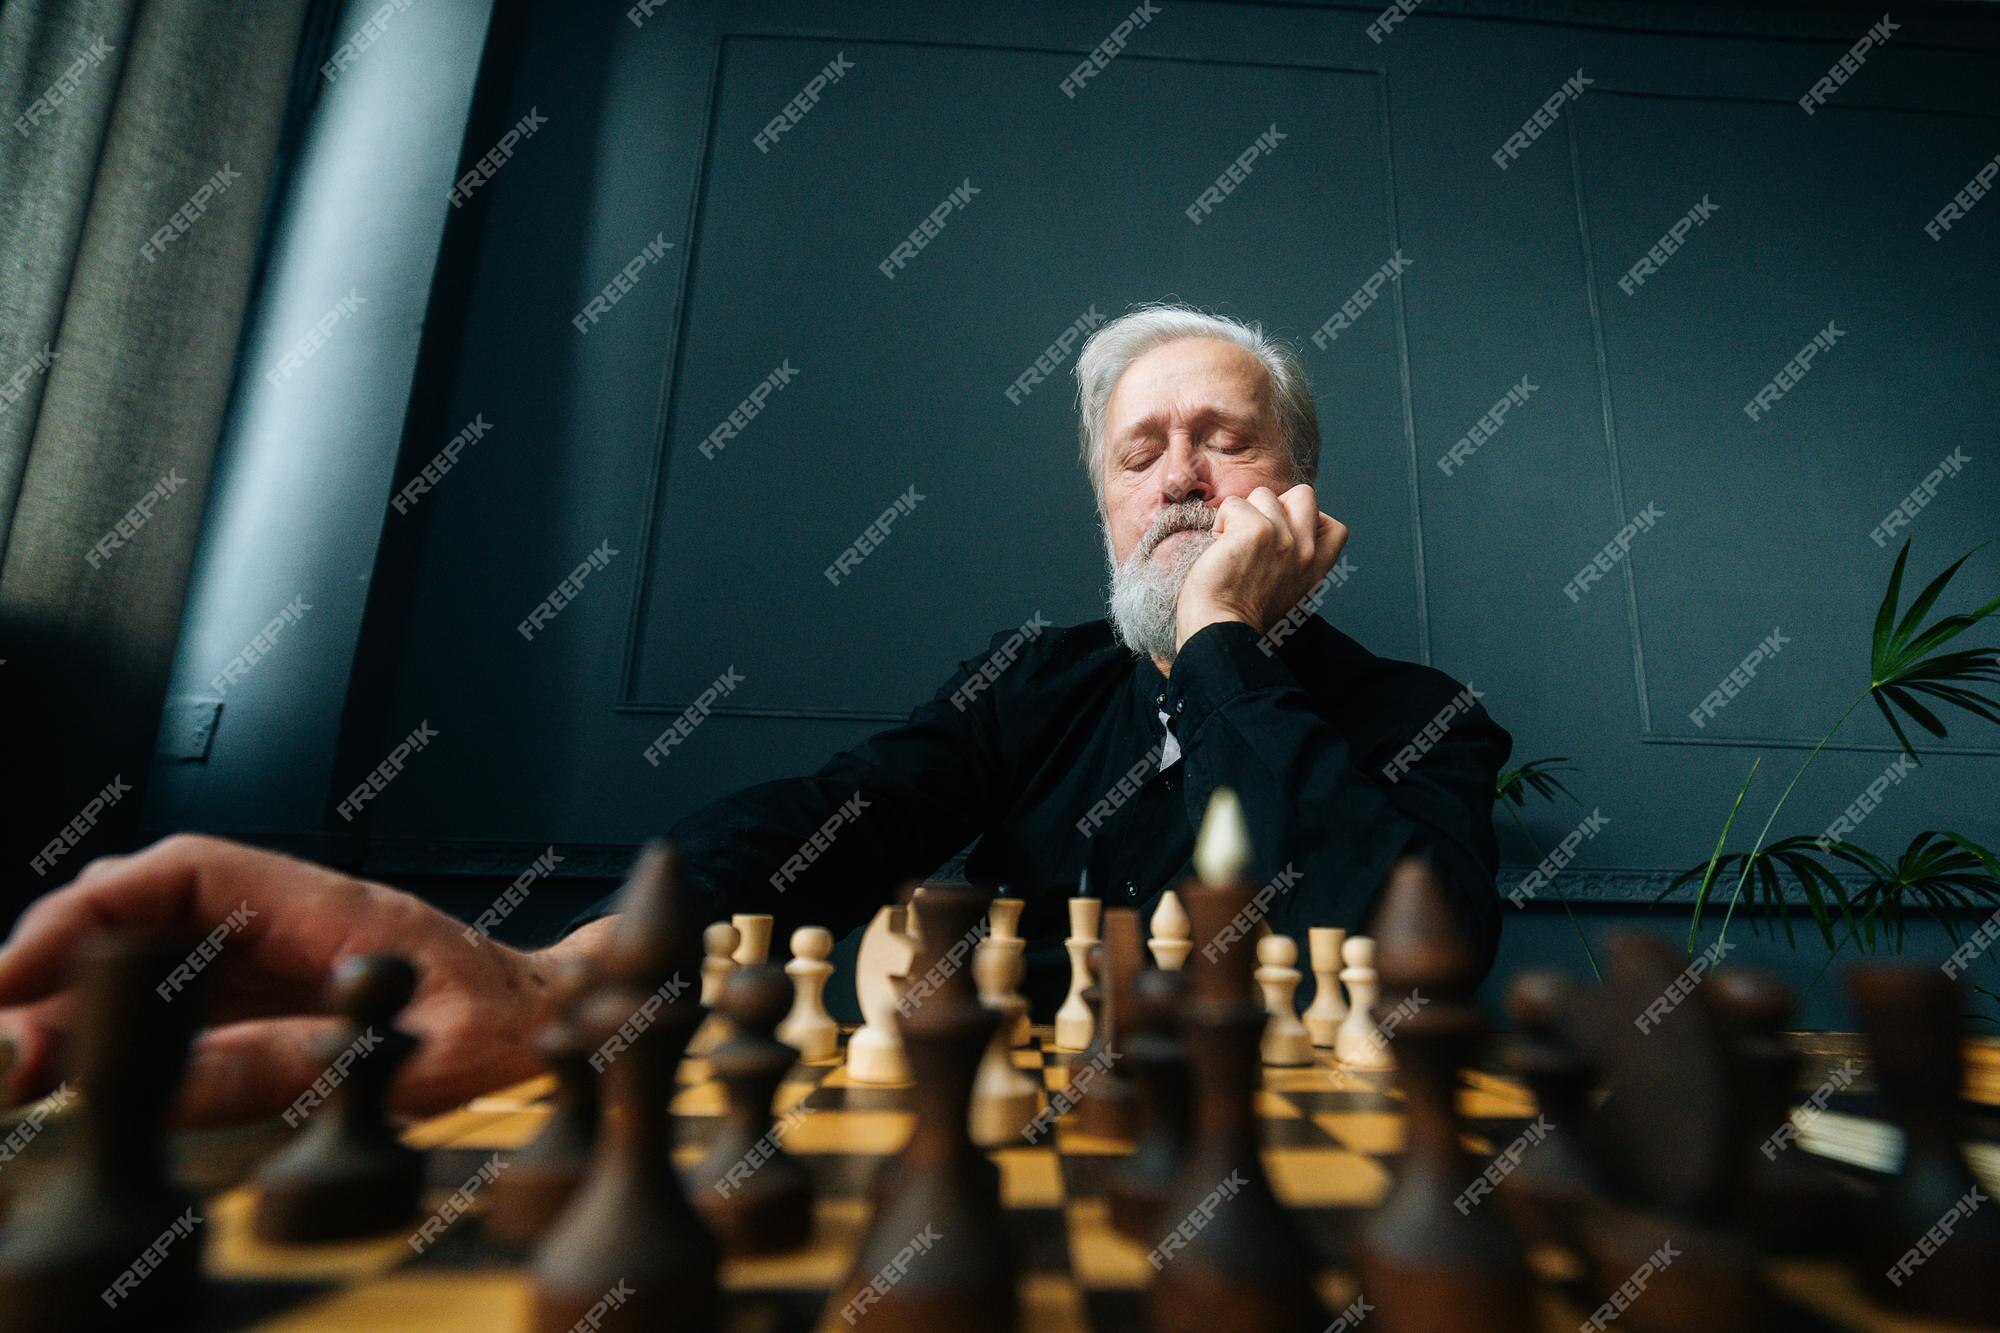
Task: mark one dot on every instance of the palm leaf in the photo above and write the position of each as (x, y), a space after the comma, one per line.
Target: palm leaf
(1536, 775)
(1795, 859)
(1941, 871)
(1885, 614)
(1715, 858)
(1904, 662)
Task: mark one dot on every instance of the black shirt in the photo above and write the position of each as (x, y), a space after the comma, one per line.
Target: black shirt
(1048, 759)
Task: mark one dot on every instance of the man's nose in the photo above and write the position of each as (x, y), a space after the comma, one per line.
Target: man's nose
(1185, 478)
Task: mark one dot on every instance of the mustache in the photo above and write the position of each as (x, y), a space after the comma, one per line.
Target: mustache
(1188, 516)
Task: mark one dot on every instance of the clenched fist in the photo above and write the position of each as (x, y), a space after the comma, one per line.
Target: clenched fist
(1270, 551)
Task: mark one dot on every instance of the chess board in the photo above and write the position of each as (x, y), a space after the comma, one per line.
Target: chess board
(1332, 1137)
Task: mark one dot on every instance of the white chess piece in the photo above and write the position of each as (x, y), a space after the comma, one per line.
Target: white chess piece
(1073, 1020)
(875, 1053)
(1170, 941)
(1004, 917)
(1003, 1098)
(1222, 848)
(1358, 1043)
(1285, 1040)
(808, 1028)
(753, 945)
(1329, 1005)
(718, 944)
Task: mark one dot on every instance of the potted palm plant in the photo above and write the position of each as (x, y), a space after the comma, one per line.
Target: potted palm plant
(1917, 672)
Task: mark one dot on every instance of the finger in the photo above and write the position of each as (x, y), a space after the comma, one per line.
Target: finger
(1302, 516)
(1233, 509)
(39, 1035)
(1329, 540)
(247, 1070)
(179, 882)
(1265, 501)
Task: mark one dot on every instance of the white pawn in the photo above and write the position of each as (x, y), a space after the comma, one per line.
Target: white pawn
(1170, 941)
(808, 1028)
(1004, 917)
(875, 1053)
(1285, 1040)
(1004, 1099)
(718, 945)
(1358, 1043)
(718, 942)
(1329, 1006)
(753, 931)
(1073, 1020)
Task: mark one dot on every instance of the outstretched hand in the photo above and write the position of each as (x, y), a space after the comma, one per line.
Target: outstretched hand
(289, 923)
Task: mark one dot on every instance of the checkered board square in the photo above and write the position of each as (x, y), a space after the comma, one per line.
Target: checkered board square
(1332, 1141)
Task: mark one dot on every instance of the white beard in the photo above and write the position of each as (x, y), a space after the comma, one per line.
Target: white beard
(1145, 592)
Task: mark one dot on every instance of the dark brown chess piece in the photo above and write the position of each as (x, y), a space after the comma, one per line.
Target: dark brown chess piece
(756, 1196)
(540, 1178)
(630, 1221)
(349, 1174)
(1433, 1257)
(1910, 1015)
(1157, 1055)
(1228, 1255)
(67, 1259)
(937, 1253)
(1795, 1205)
(1548, 1186)
(1668, 1137)
(1110, 1109)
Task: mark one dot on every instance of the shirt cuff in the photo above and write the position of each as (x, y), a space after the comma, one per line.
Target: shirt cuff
(1218, 663)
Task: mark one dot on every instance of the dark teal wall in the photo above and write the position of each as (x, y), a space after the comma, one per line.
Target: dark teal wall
(1638, 397)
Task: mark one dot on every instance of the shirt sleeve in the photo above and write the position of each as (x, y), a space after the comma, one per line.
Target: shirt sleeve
(828, 849)
(1330, 827)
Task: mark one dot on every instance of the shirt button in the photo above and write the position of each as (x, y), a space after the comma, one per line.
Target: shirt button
(1131, 890)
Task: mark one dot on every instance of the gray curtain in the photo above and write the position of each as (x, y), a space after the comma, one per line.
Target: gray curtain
(135, 162)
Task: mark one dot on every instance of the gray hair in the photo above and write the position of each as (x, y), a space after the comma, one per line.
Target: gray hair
(1111, 350)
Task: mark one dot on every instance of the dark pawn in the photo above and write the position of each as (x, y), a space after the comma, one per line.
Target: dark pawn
(348, 1174)
(1430, 1257)
(630, 1221)
(937, 1254)
(1795, 1205)
(78, 1234)
(1546, 1191)
(756, 1196)
(1110, 1109)
(525, 1198)
(1910, 1016)
(1157, 1055)
(1245, 1265)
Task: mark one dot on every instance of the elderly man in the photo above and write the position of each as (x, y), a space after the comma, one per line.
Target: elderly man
(1089, 750)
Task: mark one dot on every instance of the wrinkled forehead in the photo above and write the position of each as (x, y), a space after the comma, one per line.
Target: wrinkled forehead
(1186, 377)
